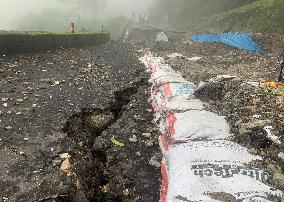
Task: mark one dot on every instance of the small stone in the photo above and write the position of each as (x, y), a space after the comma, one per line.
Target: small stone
(66, 166)
(148, 135)
(26, 139)
(64, 156)
(5, 104)
(34, 106)
(281, 156)
(9, 112)
(278, 179)
(22, 153)
(150, 143)
(19, 113)
(5, 99)
(8, 127)
(20, 100)
(263, 154)
(106, 188)
(133, 139)
(126, 192)
(273, 169)
(155, 161)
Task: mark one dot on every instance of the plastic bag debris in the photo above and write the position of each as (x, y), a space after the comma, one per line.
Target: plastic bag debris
(271, 136)
(162, 37)
(194, 58)
(176, 55)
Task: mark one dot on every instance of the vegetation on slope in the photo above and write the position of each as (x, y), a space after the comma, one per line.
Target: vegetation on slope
(230, 15)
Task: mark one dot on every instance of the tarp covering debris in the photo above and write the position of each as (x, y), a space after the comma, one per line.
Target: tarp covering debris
(241, 41)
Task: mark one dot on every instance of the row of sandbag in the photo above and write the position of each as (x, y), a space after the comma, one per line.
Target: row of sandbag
(198, 163)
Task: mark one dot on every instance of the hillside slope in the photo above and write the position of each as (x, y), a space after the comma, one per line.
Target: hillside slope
(264, 16)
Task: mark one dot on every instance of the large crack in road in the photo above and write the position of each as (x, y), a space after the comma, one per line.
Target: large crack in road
(93, 164)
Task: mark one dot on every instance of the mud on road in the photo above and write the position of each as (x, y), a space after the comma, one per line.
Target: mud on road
(76, 126)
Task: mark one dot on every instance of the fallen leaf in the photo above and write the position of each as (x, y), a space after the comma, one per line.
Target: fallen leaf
(64, 156)
(65, 166)
(117, 143)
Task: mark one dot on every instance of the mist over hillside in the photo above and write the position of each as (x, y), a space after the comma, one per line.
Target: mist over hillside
(112, 15)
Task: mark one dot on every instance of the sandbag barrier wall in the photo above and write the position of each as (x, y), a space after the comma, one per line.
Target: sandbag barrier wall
(199, 163)
(24, 43)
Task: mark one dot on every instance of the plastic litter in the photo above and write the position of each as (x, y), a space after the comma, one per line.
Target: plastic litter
(271, 136)
(241, 41)
(162, 37)
(194, 58)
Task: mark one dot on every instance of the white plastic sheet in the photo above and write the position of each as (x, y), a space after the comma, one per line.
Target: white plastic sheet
(162, 37)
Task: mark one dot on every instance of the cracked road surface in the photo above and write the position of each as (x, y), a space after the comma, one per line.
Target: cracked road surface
(74, 101)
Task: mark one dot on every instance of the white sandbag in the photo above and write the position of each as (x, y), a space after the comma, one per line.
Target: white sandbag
(170, 90)
(182, 105)
(197, 125)
(162, 68)
(160, 74)
(171, 78)
(162, 37)
(196, 171)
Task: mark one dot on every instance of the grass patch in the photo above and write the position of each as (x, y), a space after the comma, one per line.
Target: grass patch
(265, 16)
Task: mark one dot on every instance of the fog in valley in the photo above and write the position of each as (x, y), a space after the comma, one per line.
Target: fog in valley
(56, 15)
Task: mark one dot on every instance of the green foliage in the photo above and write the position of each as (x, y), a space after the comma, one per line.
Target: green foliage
(258, 16)
(32, 42)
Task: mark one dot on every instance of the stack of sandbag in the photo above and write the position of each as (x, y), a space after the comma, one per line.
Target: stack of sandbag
(199, 164)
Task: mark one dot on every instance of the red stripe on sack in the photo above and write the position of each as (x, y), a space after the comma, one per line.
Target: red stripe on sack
(165, 142)
(167, 90)
(165, 184)
(171, 120)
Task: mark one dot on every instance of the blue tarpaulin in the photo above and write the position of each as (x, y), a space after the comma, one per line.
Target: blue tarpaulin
(241, 41)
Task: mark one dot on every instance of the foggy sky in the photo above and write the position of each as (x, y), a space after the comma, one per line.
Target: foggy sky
(10, 10)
